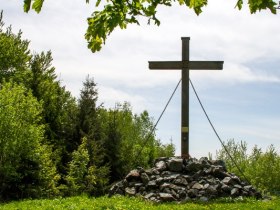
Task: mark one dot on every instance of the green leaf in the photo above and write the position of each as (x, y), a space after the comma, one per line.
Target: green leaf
(258, 5)
(26, 5)
(196, 5)
(97, 2)
(37, 5)
(239, 4)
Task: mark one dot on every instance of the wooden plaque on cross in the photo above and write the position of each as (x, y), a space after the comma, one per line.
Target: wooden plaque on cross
(185, 65)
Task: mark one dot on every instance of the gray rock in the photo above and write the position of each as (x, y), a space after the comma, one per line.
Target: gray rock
(198, 175)
(174, 193)
(228, 181)
(234, 192)
(138, 185)
(175, 187)
(181, 180)
(186, 199)
(121, 184)
(206, 185)
(131, 184)
(175, 164)
(166, 197)
(167, 190)
(202, 193)
(145, 178)
(218, 172)
(202, 181)
(236, 179)
(204, 160)
(130, 191)
(182, 194)
(188, 178)
(204, 199)
(133, 175)
(237, 186)
(141, 190)
(192, 193)
(219, 163)
(166, 173)
(159, 181)
(164, 185)
(171, 178)
(149, 171)
(197, 186)
(155, 171)
(140, 169)
(161, 159)
(161, 165)
(150, 195)
(248, 188)
(212, 190)
(152, 184)
(194, 166)
(226, 188)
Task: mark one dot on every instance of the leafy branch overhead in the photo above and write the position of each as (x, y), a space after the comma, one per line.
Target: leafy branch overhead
(120, 13)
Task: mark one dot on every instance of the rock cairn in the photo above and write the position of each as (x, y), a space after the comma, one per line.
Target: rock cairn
(177, 179)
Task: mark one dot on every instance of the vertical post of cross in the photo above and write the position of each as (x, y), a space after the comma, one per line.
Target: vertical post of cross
(185, 98)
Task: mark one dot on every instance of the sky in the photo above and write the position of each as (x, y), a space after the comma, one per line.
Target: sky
(242, 100)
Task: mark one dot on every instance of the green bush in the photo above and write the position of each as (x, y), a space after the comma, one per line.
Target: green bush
(260, 168)
(26, 169)
(83, 176)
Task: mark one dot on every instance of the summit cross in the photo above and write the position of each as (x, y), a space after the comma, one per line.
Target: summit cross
(185, 65)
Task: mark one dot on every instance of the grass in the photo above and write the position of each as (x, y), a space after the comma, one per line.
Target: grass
(121, 203)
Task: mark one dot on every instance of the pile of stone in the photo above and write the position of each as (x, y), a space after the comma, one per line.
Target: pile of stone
(177, 179)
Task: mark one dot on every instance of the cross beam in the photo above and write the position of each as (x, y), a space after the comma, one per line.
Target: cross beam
(185, 65)
(192, 65)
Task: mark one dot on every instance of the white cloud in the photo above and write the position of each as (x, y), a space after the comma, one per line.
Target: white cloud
(111, 96)
(233, 73)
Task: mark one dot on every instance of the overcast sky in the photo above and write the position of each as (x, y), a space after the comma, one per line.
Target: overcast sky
(242, 100)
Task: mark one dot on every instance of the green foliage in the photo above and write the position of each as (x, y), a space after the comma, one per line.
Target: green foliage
(132, 203)
(50, 144)
(36, 73)
(128, 133)
(260, 168)
(165, 150)
(114, 133)
(58, 104)
(84, 177)
(36, 5)
(59, 108)
(264, 169)
(239, 153)
(87, 116)
(25, 165)
(58, 113)
(78, 170)
(89, 127)
(120, 13)
(14, 53)
(258, 5)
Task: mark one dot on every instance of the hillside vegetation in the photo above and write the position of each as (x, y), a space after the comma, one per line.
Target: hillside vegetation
(52, 144)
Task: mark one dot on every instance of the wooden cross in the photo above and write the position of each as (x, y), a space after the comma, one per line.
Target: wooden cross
(185, 65)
